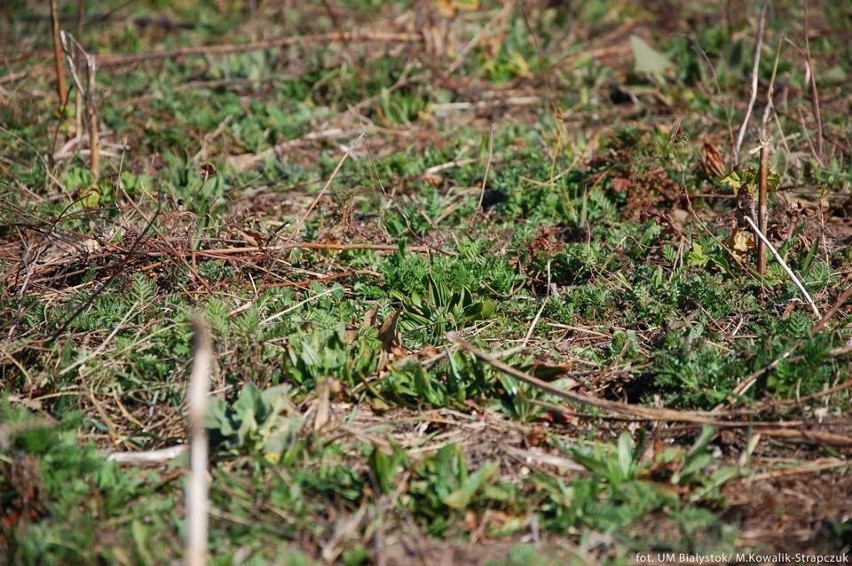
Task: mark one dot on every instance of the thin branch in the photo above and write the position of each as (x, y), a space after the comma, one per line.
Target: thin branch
(71, 48)
(770, 90)
(819, 394)
(435, 169)
(149, 456)
(641, 412)
(814, 91)
(783, 264)
(770, 102)
(535, 321)
(92, 115)
(322, 192)
(754, 81)
(487, 167)
(809, 468)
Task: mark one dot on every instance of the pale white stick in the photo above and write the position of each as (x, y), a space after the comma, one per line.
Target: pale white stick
(277, 315)
(784, 265)
(487, 166)
(754, 81)
(149, 456)
(347, 151)
(197, 504)
(103, 345)
(532, 326)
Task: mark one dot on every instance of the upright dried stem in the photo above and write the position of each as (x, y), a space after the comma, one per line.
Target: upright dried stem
(814, 91)
(197, 503)
(71, 48)
(78, 100)
(754, 80)
(487, 167)
(81, 10)
(92, 115)
(762, 208)
(61, 86)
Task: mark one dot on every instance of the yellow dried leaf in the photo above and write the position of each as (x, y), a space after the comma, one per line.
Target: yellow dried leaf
(449, 8)
(741, 242)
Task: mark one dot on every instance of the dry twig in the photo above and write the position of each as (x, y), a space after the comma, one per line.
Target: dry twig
(149, 456)
(754, 79)
(814, 92)
(783, 264)
(487, 167)
(325, 187)
(70, 46)
(641, 412)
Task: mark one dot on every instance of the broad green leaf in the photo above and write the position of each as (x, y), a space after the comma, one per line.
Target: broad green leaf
(461, 498)
(646, 59)
(733, 180)
(250, 402)
(625, 456)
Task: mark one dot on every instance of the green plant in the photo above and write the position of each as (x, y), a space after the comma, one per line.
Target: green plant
(442, 484)
(511, 183)
(699, 468)
(326, 353)
(617, 466)
(440, 309)
(263, 422)
(59, 497)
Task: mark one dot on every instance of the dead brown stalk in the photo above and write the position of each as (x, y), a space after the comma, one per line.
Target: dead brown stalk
(61, 88)
(71, 47)
(641, 412)
(762, 206)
